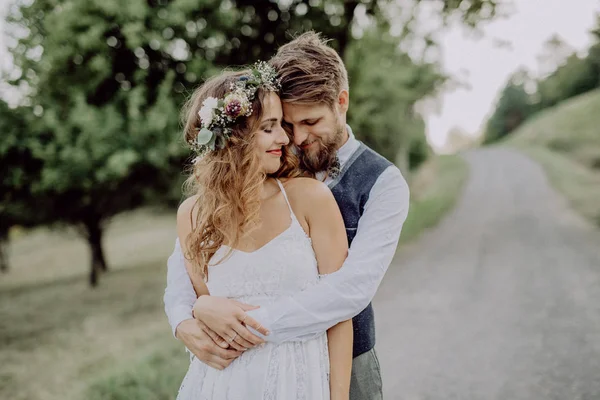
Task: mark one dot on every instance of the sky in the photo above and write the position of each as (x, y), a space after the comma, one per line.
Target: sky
(484, 67)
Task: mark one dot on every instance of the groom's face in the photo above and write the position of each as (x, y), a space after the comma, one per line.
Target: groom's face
(318, 131)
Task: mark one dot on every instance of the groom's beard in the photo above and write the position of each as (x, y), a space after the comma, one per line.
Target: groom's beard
(320, 159)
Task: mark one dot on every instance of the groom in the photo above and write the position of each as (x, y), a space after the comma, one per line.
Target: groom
(373, 198)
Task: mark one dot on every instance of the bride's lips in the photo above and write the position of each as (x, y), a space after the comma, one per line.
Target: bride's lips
(276, 152)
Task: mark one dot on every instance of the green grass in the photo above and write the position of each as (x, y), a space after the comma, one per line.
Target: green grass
(59, 337)
(565, 141)
(435, 189)
(579, 184)
(62, 340)
(155, 376)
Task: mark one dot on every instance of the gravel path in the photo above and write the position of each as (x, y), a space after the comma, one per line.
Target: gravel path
(501, 301)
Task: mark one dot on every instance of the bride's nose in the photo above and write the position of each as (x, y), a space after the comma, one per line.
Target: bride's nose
(282, 137)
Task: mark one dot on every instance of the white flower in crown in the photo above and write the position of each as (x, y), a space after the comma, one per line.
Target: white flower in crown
(206, 113)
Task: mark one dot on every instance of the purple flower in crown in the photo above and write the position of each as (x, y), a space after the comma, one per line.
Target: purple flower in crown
(236, 104)
(233, 108)
(217, 116)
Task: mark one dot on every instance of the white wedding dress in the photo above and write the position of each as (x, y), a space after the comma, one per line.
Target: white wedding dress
(291, 370)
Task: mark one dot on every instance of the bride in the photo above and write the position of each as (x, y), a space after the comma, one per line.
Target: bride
(254, 230)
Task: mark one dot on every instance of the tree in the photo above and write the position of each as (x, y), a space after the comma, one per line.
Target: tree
(419, 149)
(555, 51)
(594, 52)
(19, 169)
(567, 74)
(99, 161)
(385, 85)
(512, 109)
(575, 76)
(107, 78)
(110, 142)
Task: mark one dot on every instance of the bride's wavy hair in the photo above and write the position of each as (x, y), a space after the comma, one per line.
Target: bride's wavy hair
(228, 181)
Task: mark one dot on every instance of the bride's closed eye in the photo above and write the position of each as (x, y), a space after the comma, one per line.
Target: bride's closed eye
(269, 128)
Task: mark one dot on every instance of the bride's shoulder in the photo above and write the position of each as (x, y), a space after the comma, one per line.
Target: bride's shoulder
(307, 191)
(187, 208)
(187, 205)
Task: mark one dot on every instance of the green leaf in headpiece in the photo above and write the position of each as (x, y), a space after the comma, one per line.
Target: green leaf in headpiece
(211, 142)
(204, 136)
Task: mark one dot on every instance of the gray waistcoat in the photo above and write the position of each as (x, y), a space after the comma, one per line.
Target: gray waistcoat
(351, 190)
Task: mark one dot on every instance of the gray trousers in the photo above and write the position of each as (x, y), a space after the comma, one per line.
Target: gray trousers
(365, 383)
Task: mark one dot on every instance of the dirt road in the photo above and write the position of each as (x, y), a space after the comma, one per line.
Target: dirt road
(501, 301)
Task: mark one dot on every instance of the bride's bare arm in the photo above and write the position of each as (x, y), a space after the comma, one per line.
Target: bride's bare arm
(195, 335)
(328, 235)
(186, 217)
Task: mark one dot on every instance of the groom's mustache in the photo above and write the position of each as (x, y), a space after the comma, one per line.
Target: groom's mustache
(306, 143)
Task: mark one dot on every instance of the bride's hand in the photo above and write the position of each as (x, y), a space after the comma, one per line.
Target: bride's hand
(228, 319)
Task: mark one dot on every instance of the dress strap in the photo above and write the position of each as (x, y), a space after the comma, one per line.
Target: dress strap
(285, 197)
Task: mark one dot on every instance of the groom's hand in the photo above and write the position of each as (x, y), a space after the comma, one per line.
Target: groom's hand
(228, 319)
(198, 338)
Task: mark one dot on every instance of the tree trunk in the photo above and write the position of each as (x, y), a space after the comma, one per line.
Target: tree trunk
(3, 257)
(344, 36)
(98, 261)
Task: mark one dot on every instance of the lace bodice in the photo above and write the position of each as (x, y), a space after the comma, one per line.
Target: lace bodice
(289, 370)
(283, 266)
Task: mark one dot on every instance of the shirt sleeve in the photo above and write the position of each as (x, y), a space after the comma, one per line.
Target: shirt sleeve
(345, 293)
(180, 295)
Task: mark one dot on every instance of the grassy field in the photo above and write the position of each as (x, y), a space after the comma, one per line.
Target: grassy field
(59, 336)
(434, 190)
(565, 140)
(62, 340)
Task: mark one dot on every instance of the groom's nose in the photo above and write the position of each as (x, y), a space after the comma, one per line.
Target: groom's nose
(300, 135)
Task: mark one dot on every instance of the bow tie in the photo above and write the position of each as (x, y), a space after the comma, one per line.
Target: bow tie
(334, 168)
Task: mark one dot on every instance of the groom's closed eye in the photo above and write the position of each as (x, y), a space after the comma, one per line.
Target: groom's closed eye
(311, 122)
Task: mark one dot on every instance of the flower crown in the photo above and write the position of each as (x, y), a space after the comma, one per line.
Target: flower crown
(217, 116)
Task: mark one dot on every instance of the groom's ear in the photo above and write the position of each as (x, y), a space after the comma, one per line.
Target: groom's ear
(343, 101)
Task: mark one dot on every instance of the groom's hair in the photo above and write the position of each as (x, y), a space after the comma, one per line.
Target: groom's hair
(310, 71)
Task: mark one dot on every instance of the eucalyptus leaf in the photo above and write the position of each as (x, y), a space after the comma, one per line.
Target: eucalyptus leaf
(204, 136)
(211, 142)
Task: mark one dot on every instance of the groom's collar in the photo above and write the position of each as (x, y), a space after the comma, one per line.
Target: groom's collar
(345, 152)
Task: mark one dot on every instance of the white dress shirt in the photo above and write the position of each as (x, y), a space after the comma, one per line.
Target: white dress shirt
(338, 296)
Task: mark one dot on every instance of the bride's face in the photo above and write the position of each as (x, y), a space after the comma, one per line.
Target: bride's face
(270, 137)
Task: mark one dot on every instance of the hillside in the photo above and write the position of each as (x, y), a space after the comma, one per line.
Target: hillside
(565, 140)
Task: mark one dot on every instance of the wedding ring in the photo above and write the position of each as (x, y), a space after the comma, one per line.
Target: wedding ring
(232, 338)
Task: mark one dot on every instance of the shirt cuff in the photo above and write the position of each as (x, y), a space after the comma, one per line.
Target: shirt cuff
(178, 315)
(262, 317)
